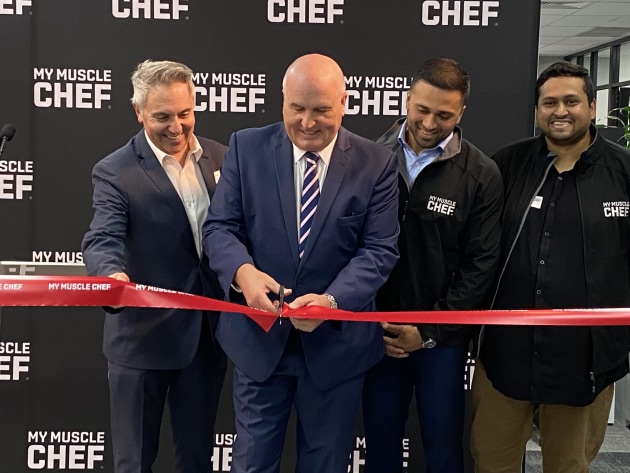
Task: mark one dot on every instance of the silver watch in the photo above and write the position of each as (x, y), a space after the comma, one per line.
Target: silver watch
(333, 302)
(429, 343)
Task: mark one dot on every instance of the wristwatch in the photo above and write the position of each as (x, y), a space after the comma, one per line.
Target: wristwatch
(331, 299)
(429, 343)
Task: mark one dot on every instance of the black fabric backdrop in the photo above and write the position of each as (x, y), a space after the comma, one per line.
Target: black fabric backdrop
(64, 84)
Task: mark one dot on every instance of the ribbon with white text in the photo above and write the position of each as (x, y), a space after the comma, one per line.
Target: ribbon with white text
(85, 291)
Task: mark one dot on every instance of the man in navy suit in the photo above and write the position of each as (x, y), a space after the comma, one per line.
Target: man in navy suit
(151, 198)
(251, 237)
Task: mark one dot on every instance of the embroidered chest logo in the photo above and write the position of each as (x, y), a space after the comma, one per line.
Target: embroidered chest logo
(441, 205)
(616, 209)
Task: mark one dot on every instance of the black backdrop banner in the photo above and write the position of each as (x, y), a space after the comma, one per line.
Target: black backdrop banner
(64, 84)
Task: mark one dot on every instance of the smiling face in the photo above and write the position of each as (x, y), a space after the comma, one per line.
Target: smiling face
(314, 101)
(168, 118)
(563, 111)
(432, 114)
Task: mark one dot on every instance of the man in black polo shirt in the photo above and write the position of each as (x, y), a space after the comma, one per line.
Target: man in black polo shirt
(562, 247)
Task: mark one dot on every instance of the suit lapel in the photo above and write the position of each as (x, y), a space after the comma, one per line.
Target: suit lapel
(337, 167)
(155, 172)
(207, 172)
(283, 161)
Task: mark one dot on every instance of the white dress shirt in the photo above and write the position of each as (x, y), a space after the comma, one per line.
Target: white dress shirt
(189, 184)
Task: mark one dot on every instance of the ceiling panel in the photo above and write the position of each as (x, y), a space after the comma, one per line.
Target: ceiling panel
(569, 27)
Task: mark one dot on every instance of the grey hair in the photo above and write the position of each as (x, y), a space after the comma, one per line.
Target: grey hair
(151, 73)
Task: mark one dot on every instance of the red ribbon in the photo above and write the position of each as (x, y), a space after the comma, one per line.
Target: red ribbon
(100, 291)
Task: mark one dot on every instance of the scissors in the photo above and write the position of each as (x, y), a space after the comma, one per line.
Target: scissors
(280, 301)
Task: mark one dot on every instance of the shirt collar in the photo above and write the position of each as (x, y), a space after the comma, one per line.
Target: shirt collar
(196, 150)
(324, 154)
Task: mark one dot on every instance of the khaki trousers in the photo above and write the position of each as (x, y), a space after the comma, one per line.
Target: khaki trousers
(570, 437)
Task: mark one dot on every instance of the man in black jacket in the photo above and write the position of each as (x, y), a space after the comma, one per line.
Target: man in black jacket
(450, 201)
(566, 244)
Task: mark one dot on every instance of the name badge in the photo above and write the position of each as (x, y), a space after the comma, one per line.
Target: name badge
(537, 202)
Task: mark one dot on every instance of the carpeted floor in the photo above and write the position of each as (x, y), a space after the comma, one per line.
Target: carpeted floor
(614, 456)
(606, 462)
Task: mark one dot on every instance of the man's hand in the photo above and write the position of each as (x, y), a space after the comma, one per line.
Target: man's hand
(308, 325)
(256, 285)
(407, 339)
(120, 277)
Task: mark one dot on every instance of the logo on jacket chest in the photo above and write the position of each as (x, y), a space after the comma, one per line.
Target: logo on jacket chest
(616, 209)
(441, 205)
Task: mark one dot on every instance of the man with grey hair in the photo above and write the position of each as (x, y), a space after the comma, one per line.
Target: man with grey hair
(150, 199)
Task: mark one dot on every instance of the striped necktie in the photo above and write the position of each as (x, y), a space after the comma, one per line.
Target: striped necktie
(310, 197)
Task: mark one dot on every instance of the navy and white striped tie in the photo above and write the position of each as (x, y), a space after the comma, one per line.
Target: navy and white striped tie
(310, 197)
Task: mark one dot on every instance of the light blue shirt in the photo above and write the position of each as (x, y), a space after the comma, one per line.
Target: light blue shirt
(416, 162)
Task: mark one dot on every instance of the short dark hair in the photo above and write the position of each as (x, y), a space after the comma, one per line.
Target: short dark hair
(566, 69)
(444, 73)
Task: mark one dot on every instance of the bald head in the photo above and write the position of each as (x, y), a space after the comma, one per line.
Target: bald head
(316, 70)
(314, 102)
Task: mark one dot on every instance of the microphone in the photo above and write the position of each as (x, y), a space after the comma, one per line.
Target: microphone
(6, 134)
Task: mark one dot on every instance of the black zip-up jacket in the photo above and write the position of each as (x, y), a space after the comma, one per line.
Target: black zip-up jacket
(603, 184)
(449, 239)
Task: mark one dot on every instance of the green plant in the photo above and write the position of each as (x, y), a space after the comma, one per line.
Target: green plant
(623, 117)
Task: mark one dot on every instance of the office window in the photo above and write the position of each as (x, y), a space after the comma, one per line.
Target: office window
(601, 107)
(624, 63)
(611, 76)
(603, 66)
(587, 62)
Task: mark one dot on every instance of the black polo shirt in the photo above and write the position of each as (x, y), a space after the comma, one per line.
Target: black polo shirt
(544, 364)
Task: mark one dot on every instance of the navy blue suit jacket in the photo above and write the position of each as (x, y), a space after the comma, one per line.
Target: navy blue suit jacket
(140, 228)
(350, 251)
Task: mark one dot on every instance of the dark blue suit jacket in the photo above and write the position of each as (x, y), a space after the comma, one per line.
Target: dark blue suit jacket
(350, 251)
(140, 228)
